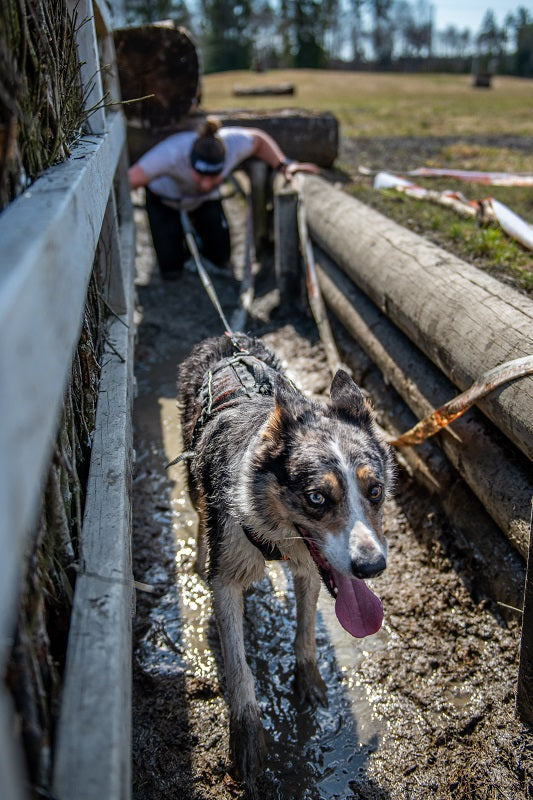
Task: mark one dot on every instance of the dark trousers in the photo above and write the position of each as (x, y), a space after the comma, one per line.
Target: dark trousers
(209, 223)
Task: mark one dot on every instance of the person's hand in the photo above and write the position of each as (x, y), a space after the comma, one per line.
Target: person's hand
(137, 177)
(299, 166)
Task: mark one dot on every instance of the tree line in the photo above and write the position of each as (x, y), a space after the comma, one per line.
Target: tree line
(371, 34)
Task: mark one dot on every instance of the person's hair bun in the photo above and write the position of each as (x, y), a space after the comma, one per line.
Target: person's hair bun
(210, 126)
(208, 151)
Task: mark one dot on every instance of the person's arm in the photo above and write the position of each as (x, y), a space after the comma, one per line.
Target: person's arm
(265, 148)
(137, 177)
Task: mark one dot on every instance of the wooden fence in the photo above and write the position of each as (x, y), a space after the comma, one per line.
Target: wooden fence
(76, 212)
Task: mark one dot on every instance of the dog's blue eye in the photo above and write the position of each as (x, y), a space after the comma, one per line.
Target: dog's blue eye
(316, 499)
(375, 493)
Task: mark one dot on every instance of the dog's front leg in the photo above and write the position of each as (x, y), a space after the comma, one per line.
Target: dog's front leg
(309, 685)
(247, 738)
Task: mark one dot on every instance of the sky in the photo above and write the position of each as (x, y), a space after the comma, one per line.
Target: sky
(470, 13)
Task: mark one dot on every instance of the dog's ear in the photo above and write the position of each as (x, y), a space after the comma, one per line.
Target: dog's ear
(285, 392)
(287, 401)
(347, 399)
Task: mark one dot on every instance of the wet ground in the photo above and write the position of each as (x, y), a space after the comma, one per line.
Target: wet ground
(423, 709)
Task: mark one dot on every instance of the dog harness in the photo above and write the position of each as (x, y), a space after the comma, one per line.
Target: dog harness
(233, 378)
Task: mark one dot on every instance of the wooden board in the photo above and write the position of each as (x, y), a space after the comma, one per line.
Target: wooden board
(49, 236)
(524, 700)
(93, 749)
(302, 135)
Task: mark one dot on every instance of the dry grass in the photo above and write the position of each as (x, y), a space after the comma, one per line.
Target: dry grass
(377, 104)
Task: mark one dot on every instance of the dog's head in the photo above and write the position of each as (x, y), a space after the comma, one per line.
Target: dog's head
(327, 472)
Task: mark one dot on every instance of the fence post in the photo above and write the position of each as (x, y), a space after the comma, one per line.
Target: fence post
(524, 696)
(287, 257)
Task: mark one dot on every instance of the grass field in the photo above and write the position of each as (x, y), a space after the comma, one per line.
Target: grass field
(418, 108)
(386, 104)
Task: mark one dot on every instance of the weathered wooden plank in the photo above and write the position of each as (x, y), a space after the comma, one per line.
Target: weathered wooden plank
(93, 748)
(109, 255)
(287, 258)
(103, 17)
(302, 135)
(12, 771)
(465, 321)
(49, 236)
(524, 698)
(497, 473)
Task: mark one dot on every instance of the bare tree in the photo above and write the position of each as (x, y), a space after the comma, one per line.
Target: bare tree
(382, 31)
(357, 32)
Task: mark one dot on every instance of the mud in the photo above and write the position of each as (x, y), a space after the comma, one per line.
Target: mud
(425, 708)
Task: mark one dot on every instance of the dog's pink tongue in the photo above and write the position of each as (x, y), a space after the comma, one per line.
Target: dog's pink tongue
(358, 609)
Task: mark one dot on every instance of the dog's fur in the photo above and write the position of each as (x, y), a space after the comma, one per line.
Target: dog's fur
(273, 471)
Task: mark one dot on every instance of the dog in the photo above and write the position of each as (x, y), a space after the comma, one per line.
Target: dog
(274, 475)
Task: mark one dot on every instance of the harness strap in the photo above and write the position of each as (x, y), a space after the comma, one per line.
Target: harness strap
(235, 377)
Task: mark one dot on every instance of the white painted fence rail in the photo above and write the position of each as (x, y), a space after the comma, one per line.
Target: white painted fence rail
(49, 238)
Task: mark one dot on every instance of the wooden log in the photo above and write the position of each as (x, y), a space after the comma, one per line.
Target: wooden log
(159, 60)
(302, 135)
(495, 471)
(465, 321)
(263, 91)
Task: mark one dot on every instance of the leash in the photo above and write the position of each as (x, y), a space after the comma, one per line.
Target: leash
(247, 287)
(211, 293)
(204, 277)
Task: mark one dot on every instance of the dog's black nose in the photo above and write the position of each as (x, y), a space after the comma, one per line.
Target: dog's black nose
(370, 567)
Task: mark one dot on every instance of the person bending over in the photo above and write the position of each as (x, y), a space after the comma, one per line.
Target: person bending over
(184, 172)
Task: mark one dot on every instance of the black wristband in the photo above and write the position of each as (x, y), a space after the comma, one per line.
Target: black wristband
(283, 164)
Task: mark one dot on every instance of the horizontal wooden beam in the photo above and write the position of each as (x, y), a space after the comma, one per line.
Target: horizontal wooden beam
(49, 236)
(93, 747)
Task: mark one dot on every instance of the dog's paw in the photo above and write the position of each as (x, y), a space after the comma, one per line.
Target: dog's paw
(248, 746)
(309, 686)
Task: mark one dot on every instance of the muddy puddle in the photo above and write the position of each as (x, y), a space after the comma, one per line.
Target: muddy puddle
(424, 708)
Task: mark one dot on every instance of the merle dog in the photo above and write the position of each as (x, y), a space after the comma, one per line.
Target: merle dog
(275, 475)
